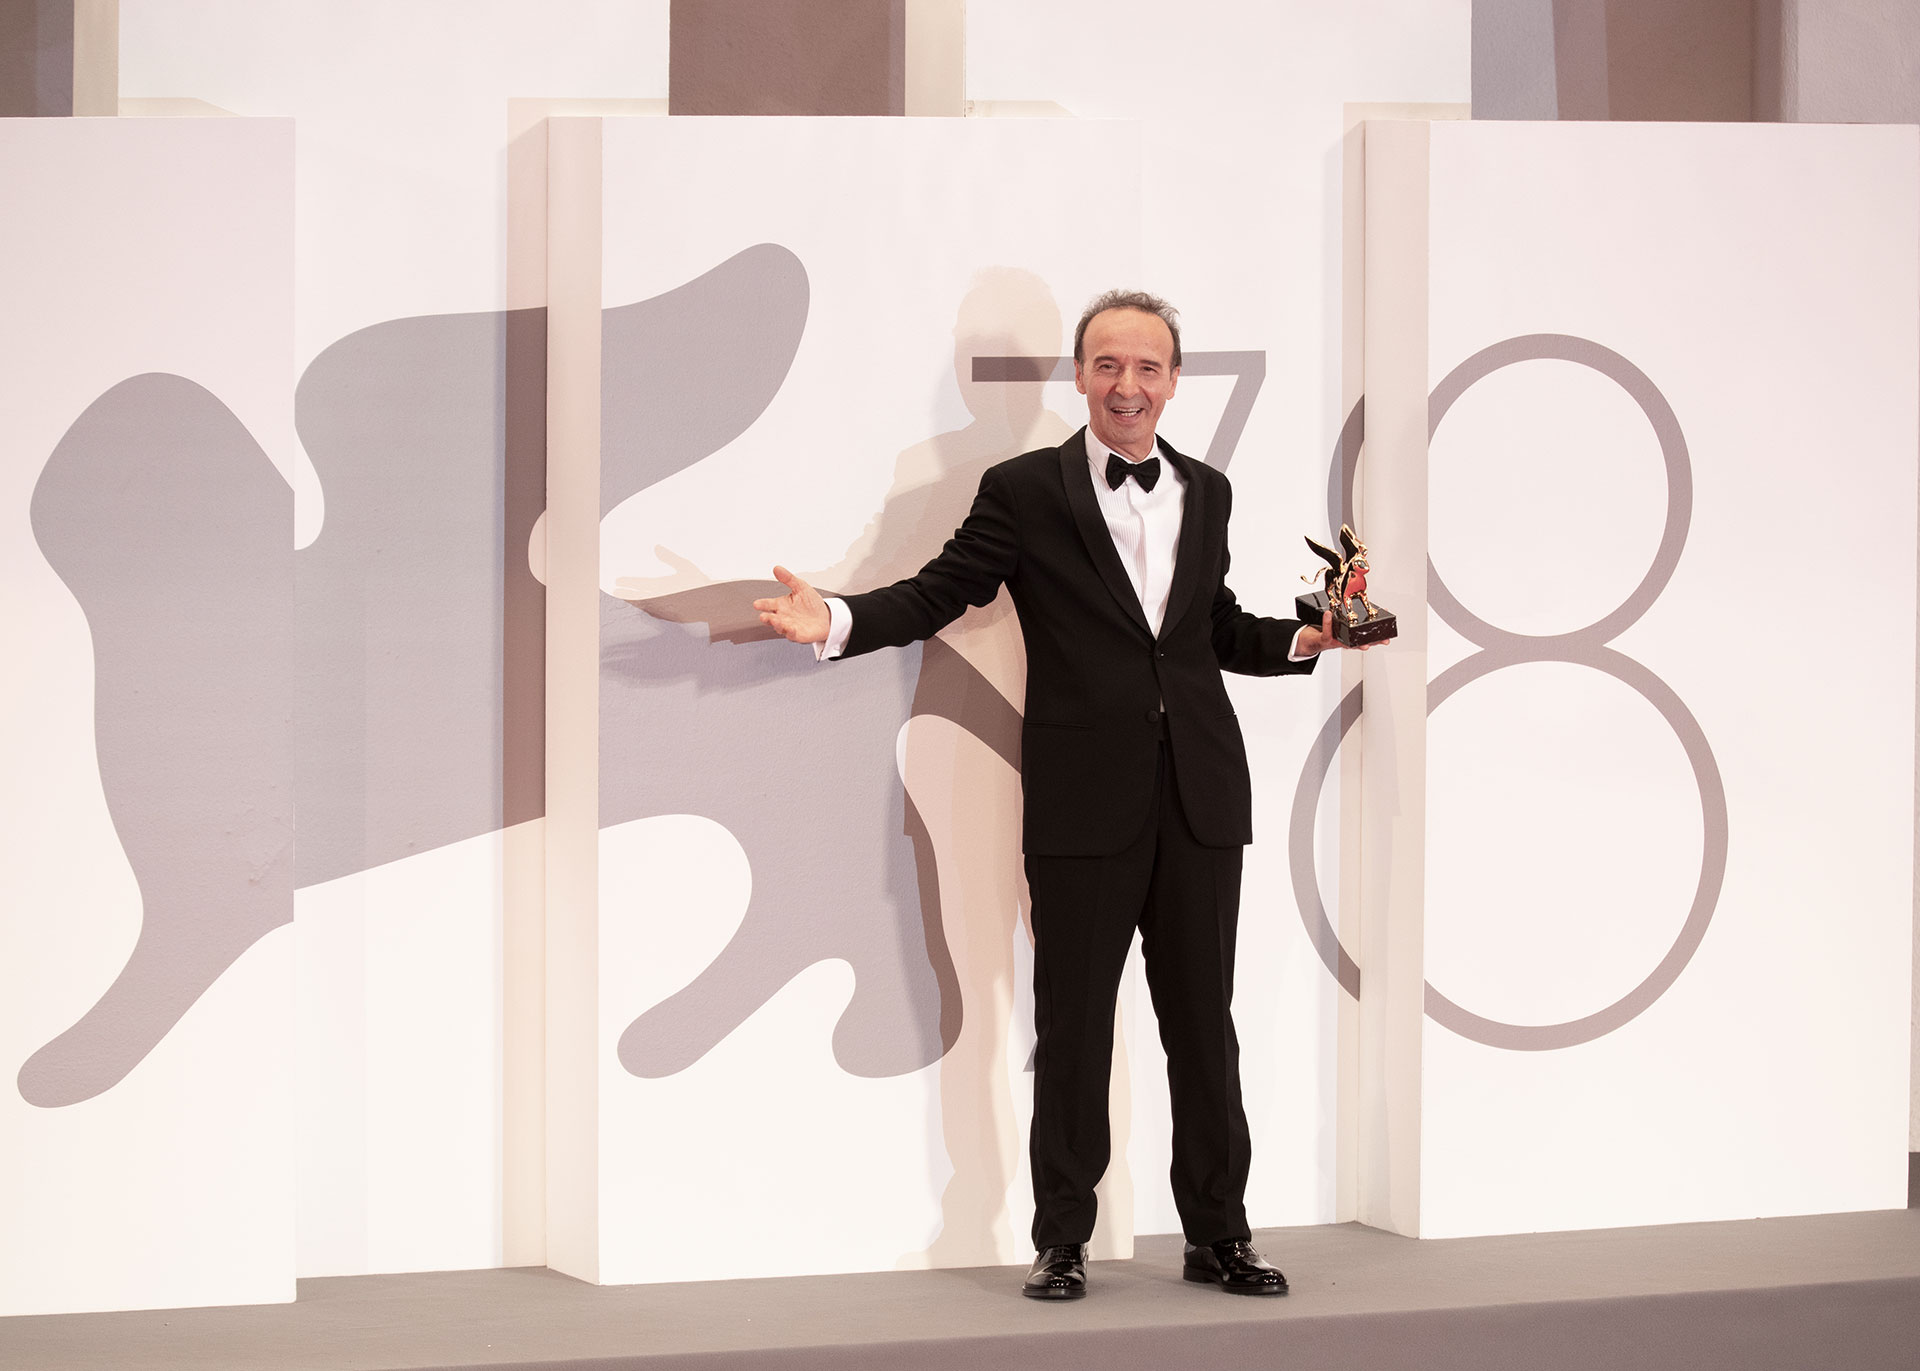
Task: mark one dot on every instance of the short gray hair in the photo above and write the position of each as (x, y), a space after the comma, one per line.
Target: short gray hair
(1128, 299)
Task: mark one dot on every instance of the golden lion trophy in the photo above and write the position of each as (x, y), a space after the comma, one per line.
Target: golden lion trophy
(1344, 582)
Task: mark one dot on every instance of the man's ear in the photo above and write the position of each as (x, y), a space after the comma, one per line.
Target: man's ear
(1173, 380)
(1079, 377)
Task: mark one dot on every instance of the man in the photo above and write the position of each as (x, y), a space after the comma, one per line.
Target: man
(1138, 799)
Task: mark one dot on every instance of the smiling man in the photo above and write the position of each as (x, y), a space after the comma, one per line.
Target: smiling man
(1138, 802)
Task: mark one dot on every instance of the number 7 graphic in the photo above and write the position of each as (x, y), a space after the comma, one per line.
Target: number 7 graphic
(1248, 369)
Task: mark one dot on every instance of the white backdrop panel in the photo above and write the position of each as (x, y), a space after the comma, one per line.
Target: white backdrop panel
(416, 1097)
(130, 248)
(923, 245)
(1763, 280)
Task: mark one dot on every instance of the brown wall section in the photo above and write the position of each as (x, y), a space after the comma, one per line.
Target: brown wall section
(1582, 79)
(59, 57)
(36, 57)
(1680, 61)
(787, 57)
(1619, 59)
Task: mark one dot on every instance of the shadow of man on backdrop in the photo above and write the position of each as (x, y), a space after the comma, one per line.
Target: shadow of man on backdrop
(960, 757)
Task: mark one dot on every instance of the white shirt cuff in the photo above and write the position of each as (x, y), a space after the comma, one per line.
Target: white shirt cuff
(839, 626)
(1294, 654)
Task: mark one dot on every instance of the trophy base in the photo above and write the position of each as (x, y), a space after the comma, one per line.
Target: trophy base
(1381, 627)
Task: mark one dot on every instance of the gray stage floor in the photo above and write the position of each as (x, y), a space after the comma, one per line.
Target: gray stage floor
(1832, 1291)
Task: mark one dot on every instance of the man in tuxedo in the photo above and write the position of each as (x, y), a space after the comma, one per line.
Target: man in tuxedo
(1138, 802)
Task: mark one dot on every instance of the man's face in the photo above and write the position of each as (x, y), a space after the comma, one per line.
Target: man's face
(1127, 375)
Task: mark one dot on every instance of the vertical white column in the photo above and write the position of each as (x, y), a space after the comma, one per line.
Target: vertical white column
(1346, 894)
(147, 1141)
(96, 57)
(1393, 727)
(936, 57)
(573, 695)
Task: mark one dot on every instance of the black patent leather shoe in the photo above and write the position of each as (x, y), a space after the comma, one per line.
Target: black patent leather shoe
(1059, 1273)
(1235, 1267)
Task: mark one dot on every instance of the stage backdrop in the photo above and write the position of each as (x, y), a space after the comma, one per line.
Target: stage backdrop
(146, 898)
(1656, 727)
(416, 478)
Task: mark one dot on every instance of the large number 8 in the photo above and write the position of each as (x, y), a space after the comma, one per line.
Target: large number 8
(1499, 648)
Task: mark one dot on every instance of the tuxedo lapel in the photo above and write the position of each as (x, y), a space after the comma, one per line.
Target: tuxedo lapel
(1093, 529)
(1193, 527)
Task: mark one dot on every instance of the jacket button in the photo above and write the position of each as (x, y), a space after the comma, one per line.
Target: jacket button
(1153, 716)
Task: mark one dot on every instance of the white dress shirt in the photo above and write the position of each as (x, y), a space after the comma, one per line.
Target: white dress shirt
(1144, 526)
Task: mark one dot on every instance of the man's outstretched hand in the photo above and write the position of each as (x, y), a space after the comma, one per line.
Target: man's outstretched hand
(1311, 642)
(799, 617)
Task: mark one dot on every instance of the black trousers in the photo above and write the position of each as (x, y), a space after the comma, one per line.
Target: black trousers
(1184, 899)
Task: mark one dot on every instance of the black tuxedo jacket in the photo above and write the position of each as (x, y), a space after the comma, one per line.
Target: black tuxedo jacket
(1097, 676)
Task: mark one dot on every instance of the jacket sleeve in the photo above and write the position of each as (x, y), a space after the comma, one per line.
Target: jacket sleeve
(982, 554)
(1251, 644)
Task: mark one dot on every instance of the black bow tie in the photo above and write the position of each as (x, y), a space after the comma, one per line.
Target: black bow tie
(1147, 473)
